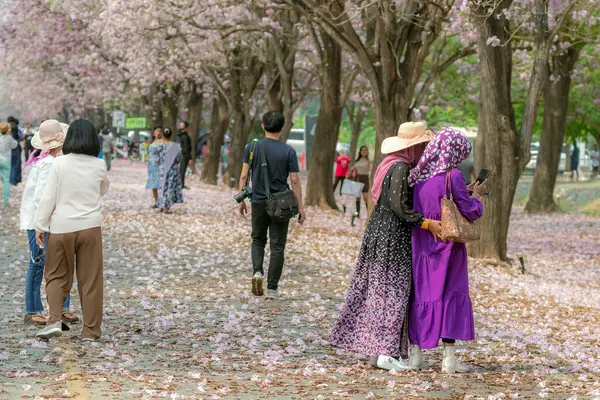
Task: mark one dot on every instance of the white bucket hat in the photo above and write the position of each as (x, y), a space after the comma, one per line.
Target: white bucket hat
(50, 136)
(409, 134)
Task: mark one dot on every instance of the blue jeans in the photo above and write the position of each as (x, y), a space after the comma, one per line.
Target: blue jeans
(33, 285)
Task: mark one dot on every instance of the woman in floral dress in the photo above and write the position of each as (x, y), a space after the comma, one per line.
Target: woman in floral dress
(171, 185)
(154, 182)
(373, 320)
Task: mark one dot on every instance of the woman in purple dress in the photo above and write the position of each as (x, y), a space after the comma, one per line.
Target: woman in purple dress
(440, 306)
(373, 320)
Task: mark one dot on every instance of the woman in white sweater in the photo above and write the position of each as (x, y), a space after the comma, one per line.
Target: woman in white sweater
(48, 143)
(70, 210)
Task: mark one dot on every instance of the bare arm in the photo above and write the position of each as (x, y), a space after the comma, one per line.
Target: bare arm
(244, 176)
(297, 188)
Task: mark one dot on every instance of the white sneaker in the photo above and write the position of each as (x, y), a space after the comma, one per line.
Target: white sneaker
(257, 284)
(390, 363)
(50, 331)
(272, 294)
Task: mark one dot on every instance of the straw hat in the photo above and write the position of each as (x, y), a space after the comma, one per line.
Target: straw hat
(50, 136)
(409, 134)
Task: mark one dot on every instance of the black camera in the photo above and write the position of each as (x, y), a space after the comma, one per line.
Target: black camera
(246, 193)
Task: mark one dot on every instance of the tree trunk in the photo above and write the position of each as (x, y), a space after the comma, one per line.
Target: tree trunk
(319, 191)
(356, 116)
(505, 152)
(219, 124)
(245, 72)
(556, 103)
(195, 107)
(157, 112)
(172, 104)
(497, 138)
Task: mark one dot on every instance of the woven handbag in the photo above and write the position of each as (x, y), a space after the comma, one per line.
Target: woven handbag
(455, 227)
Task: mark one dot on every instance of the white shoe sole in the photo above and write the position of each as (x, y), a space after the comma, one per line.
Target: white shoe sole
(49, 334)
(257, 286)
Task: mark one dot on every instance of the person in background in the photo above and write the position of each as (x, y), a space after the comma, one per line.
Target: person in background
(360, 172)
(575, 163)
(282, 163)
(144, 149)
(186, 149)
(374, 318)
(154, 164)
(107, 146)
(28, 135)
(595, 156)
(7, 145)
(170, 159)
(71, 211)
(101, 140)
(225, 154)
(468, 170)
(342, 162)
(48, 144)
(440, 306)
(16, 161)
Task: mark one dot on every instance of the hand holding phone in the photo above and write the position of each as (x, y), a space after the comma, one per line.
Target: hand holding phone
(484, 174)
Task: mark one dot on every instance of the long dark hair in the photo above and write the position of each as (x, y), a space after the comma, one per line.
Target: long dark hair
(82, 138)
(360, 153)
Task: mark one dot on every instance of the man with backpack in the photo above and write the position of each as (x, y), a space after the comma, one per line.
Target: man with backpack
(270, 163)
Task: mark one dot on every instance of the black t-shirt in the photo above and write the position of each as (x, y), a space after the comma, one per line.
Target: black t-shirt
(281, 161)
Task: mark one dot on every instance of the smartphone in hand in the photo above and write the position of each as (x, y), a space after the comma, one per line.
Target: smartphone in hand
(484, 174)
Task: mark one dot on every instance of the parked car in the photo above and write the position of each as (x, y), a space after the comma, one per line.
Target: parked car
(535, 148)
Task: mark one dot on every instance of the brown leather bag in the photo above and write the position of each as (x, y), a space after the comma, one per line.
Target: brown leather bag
(455, 227)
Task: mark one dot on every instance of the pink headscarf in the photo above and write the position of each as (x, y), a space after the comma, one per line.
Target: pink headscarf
(447, 150)
(409, 156)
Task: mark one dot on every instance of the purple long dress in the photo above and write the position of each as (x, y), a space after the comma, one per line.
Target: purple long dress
(440, 306)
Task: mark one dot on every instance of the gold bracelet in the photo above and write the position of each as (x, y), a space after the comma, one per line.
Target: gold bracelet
(425, 224)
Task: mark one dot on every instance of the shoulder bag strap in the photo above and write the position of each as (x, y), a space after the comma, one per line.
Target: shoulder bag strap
(250, 159)
(263, 164)
(448, 191)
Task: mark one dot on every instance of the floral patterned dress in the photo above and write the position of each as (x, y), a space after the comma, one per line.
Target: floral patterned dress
(171, 184)
(373, 320)
(154, 167)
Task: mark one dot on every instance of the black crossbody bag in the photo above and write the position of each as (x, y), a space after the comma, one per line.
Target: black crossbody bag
(281, 206)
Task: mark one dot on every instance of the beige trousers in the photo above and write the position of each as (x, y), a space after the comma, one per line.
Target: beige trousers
(79, 252)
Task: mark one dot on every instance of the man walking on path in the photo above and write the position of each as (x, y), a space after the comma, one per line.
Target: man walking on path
(281, 163)
(186, 149)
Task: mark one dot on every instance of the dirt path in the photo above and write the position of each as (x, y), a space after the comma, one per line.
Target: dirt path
(180, 322)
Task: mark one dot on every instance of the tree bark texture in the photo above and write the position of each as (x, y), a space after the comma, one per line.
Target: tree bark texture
(157, 104)
(504, 151)
(319, 191)
(172, 105)
(244, 74)
(556, 103)
(219, 125)
(286, 89)
(195, 106)
(391, 54)
(356, 116)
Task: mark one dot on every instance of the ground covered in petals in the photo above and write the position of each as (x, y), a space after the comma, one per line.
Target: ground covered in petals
(180, 321)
